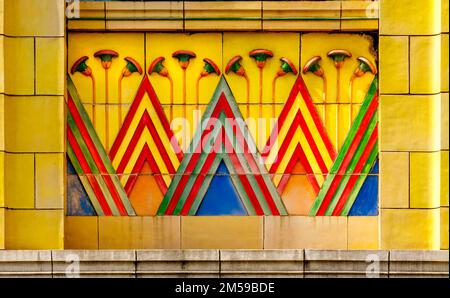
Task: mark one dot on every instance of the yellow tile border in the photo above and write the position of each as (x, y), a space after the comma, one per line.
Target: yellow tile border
(189, 16)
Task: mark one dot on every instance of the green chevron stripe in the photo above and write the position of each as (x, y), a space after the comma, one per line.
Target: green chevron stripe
(193, 176)
(360, 181)
(92, 165)
(343, 152)
(90, 128)
(247, 169)
(351, 167)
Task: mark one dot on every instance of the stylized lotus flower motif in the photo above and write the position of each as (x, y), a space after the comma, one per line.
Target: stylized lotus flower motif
(106, 57)
(364, 66)
(312, 65)
(184, 57)
(261, 56)
(339, 57)
(131, 67)
(158, 67)
(287, 67)
(210, 67)
(234, 65)
(81, 66)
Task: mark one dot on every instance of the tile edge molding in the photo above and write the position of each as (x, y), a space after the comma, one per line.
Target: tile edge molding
(227, 15)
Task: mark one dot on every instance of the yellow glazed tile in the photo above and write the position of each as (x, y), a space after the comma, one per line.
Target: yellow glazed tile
(2, 179)
(444, 62)
(425, 71)
(34, 18)
(49, 181)
(126, 45)
(19, 65)
(444, 16)
(34, 229)
(410, 229)
(315, 44)
(358, 25)
(2, 16)
(363, 232)
(81, 232)
(19, 180)
(444, 120)
(50, 76)
(394, 180)
(2, 228)
(410, 122)
(35, 124)
(86, 25)
(444, 178)
(161, 232)
(394, 64)
(2, 63)
(222, 232)
(444, 228)
(322, 232)
(425, 180)
(120, 232)
(281, 44)
(207, 45)
(2, 122)
(405, 17)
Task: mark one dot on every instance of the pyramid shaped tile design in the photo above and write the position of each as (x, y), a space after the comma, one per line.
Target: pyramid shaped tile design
(90, 161)
(223, 135)
(299, 136)
(145, 136)
(354, 161)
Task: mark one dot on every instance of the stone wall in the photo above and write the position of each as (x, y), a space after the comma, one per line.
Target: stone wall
(224, 263)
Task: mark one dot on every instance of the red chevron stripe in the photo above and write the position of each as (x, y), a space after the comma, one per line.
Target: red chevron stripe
(145, 87)
(298, 155)
(300, 87)
(95, 155)
(204, 171)
(87, 170)
(359, 166)
(348, 157)
(315, 116)
(312, 144)
(145, 121)
(305, 162)
(145, 155)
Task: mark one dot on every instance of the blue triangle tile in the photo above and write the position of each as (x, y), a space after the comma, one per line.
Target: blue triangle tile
(221, 197)
(78, 202)
(366, 203)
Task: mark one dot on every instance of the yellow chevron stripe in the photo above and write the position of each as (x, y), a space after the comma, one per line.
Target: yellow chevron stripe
(300, 137)
(283, 132)
(316, 135)
(285, 160)
(145, 105)
(146, 138)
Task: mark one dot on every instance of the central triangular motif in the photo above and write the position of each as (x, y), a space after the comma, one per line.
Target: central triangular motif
(223, 135)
